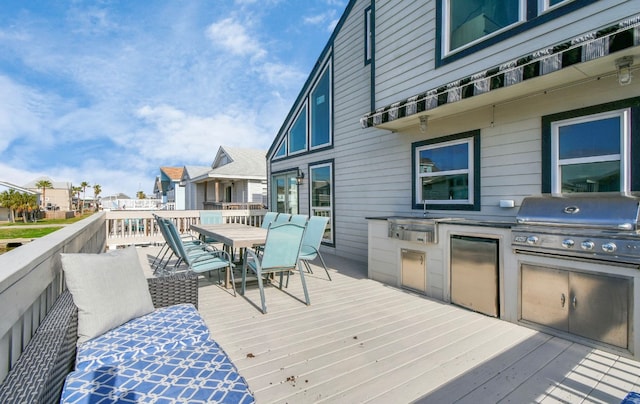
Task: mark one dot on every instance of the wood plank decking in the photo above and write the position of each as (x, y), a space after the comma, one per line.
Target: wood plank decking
(363, 341)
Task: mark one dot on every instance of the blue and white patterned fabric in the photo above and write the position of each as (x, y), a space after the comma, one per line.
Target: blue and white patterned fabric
(162, 330)
(194, 374)
(631, 398)
(166, 356)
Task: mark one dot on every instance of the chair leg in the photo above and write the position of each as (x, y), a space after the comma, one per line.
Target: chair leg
(244, 278)
(324, 265)
(261, 287)
(233, 281)
(304, 285)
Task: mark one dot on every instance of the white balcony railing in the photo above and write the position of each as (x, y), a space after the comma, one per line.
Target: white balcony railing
(31, 276)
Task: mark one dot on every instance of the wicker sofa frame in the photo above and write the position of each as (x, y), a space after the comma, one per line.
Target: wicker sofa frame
(38, 375)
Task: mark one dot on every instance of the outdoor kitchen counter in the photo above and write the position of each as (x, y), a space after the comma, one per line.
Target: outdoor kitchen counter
(455, 220)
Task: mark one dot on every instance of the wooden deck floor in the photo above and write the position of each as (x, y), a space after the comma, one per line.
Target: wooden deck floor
(363, 341)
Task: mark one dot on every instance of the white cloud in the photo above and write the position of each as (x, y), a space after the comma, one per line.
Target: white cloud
(234, 37)
(327, 19)
(281, 75)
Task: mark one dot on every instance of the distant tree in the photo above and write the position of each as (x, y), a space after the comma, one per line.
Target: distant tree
(96, 191)
(141, 195)
(76, 191)
(84, 185)
(26, 204)
(8, 199)
(44, 184)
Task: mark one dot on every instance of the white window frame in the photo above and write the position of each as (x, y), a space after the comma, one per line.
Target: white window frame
(313, 209)
(306, 131)
(543, 5)
(446, 8)
(282, 143)
(368, 32)
(469, 141)
(623, 157)
(327, 69)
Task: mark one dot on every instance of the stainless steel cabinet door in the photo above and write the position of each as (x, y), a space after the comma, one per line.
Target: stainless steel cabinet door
(414, 270)
(545, 296)
(599, 308)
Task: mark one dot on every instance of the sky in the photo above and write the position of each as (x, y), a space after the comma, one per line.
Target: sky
(109, 91)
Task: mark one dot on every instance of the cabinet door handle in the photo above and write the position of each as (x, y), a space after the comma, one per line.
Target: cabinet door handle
(563, 299)
(574, 302)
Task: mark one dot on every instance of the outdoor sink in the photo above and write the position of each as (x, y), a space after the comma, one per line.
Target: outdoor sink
(419, 230)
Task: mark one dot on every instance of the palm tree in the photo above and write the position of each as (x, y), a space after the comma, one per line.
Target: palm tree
(44, 184)
(141, 195)
(7, 199)
(96, 191)
(26, 203)
(76, 191)
(84, 185)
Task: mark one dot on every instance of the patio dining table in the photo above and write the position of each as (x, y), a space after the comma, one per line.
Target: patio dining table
(233, 236)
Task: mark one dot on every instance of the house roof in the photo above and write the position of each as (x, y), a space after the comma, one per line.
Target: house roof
(54, 184)
(233, 162)
(175, 173)
(194, 172)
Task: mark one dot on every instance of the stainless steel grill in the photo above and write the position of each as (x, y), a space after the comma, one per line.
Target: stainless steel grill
(601, 227)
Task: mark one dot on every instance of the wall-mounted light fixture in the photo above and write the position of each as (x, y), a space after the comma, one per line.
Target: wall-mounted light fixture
(299, 177)
(623, 65)
(423, 124)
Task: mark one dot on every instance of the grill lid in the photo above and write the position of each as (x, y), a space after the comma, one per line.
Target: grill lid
(609, 212)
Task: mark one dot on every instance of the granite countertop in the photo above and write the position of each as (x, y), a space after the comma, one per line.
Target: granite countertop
(455, 220)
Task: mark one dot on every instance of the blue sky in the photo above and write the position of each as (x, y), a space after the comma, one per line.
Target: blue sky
(108, 91)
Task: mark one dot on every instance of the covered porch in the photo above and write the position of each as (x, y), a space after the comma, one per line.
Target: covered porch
(363, 341)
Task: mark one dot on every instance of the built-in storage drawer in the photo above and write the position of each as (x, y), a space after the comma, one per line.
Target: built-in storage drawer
(589, 305)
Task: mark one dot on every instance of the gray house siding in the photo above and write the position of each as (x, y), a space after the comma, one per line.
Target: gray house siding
(372, 166)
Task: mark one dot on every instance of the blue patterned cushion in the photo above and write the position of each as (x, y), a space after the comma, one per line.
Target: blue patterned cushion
(631, 398)
(162, 330)
(195, 374)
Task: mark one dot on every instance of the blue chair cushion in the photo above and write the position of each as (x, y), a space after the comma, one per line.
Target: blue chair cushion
(199, 373)
(161, 330)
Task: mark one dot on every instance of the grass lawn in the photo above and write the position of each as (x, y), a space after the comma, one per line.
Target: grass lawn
(25, 232)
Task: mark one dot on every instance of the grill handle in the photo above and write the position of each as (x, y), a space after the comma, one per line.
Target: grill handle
(563, 299)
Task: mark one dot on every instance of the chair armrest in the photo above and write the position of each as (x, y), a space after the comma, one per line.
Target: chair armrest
(174, 289)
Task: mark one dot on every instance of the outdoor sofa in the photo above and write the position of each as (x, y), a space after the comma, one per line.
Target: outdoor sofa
(165, 355)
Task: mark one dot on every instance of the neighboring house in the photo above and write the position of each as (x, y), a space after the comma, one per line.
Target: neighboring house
(236, 175)
(58, 197)
(168, 189)
(4, 211)
(455, 109)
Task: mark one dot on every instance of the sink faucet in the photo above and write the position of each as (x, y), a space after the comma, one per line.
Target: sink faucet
(424, 208)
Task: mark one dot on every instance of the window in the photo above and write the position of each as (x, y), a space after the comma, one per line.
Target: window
(298, 132)
(589, 153)
(547, 4)
(468, 21)
(447, 172)
(368, 35)
(321, 110)
(282, 150)
(590, 149)
(321, 185)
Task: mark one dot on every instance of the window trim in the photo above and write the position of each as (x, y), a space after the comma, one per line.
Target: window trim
(632, 143)
(329, 70)
(319, 164)
(533, 19)
(473, 202)
(368, 35)
(302, 109)
(445, 43)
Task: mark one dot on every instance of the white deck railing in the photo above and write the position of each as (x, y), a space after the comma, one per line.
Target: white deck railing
(31, 276)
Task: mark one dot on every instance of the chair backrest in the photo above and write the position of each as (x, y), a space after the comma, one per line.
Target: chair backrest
(315, 231)
(283, 218)
(175, 244)
(210, 217)
(299, 219)
(268, 218)
(282, 246)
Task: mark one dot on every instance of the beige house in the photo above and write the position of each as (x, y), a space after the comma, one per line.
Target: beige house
(58, 197)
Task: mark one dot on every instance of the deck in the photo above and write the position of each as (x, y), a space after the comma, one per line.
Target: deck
(363, 341)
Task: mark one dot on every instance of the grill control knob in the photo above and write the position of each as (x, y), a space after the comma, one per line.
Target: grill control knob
(531, 240)
(609, 247)
(568, 243)
(587, 245)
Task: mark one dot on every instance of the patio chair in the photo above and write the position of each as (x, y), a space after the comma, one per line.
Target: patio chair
(299, 219)
(188, 240)
(268, 218)
(282, 218)
(201, 259)
(312, 240)
(280, 255)
(210, 217)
